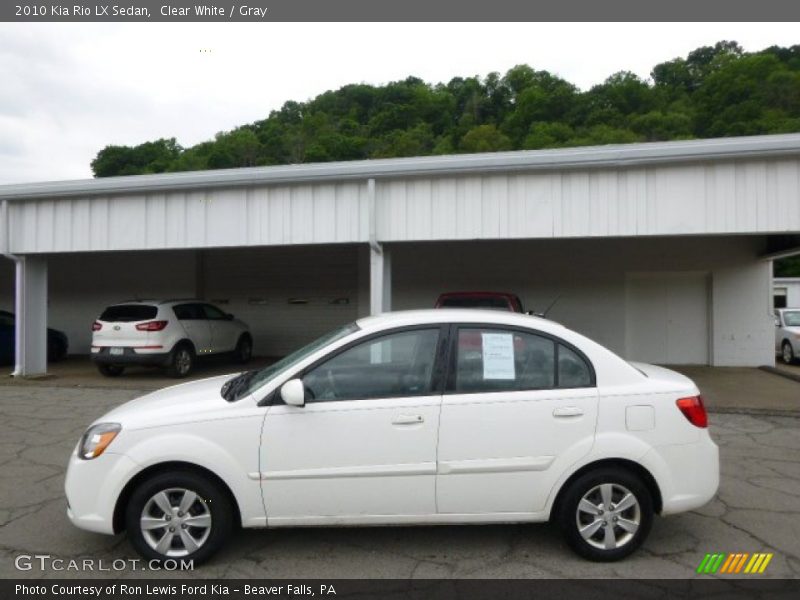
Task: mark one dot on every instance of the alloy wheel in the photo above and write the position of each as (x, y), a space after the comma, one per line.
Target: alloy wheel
(608, 516)
(175, 522)
(788, 355)
(183, 361)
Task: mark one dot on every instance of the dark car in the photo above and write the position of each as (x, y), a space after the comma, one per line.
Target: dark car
(57, 342)
(490, 300)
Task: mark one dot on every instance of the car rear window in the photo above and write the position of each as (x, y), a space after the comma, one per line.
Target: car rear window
(124, 313)
(466, 302)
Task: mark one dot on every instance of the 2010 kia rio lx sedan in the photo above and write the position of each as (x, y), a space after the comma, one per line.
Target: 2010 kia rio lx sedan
(419, 417)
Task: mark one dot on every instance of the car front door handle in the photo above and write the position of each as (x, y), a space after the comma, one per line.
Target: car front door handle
(407, 420)
(568, 411)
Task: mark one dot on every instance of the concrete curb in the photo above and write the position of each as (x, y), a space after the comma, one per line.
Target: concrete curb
(781, 373)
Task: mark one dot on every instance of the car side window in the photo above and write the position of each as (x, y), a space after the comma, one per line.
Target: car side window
(188, 312)
(394, 365)
(573, 370)
(212, 312)
(6, 320)
(496, 360)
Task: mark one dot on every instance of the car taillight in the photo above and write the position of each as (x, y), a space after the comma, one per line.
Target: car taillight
(97, 326)
(151, 326)
(693, 409)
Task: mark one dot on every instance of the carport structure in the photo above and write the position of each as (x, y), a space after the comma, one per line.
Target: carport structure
(662, 251)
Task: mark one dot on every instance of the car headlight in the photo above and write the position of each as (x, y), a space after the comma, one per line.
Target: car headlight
(96, 439)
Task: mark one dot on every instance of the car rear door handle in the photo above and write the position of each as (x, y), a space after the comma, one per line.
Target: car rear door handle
(407, 420)
(568, 411)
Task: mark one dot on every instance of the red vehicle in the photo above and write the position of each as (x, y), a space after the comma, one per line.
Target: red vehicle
(489, 300)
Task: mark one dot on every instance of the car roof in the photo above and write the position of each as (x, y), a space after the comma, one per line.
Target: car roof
(456, 315)
(478, 294)
(154, 302)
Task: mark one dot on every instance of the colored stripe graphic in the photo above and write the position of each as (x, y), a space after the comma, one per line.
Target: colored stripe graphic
(741, 562)
(727, 564)
(765, 563)
(722, 562)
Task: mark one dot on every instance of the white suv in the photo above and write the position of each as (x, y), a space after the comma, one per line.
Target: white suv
(168, 333)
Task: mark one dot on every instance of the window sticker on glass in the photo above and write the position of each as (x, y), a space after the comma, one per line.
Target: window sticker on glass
(498, 355)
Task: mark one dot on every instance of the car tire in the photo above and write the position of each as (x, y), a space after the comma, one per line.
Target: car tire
(56, 351)
(181, 361)
(787, 353)
(244, 349)
(110, 370)
(198, 520)
(597, 533)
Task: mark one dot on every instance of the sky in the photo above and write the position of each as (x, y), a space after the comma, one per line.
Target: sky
(68, 90)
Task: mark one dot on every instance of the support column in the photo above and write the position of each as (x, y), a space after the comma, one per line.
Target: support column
(380, 279)
(31, 317)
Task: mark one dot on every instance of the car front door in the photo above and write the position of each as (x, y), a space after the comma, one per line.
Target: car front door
(363, 448)
(518, 409)
(223, 329)
(196, 325)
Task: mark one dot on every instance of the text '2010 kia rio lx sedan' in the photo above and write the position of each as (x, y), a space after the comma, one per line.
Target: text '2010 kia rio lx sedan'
(419, 417)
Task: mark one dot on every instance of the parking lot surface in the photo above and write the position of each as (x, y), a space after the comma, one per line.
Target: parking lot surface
(757, 510)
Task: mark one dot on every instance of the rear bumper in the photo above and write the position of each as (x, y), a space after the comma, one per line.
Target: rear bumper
(130, 356)
(687, 474)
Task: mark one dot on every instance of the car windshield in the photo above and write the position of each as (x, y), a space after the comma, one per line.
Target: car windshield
(245, 383)
(792, 318)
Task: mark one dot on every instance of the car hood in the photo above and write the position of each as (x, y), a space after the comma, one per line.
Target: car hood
(792, 329)
(194, 401)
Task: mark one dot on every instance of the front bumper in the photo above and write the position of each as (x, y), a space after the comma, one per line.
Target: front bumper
(130, 356)
(93, 487)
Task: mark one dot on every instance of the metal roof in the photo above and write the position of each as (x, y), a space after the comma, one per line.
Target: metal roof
(609, 156)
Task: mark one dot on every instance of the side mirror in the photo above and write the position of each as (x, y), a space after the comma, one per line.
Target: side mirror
(228, 317)
(293, 393)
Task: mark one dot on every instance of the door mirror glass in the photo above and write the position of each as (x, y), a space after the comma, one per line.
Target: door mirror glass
(293, 393)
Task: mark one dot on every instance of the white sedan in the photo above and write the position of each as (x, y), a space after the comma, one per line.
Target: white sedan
(419, 417)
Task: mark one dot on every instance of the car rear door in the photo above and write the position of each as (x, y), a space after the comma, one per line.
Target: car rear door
(363, 448)
(223, 330)
(518, 409)
(193, 319)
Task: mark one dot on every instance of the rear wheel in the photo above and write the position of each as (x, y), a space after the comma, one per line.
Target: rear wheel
(56, 351)
(181, 362)
(179, 515)
(244, 349)
(110, 370)
(606, 514)
(787, 353)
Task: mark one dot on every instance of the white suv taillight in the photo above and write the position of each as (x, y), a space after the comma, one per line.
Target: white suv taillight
(151, 326)
(693, 409)
(97, 326)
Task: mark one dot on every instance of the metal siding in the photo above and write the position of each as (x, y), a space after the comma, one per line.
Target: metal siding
(746, 196)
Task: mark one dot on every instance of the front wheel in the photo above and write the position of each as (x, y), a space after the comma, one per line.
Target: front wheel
(244, 349)
(787, 353)
(606, 514)
(179, 515)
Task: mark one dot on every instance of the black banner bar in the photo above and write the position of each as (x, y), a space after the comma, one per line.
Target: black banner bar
(396, 10)
(242, 589)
